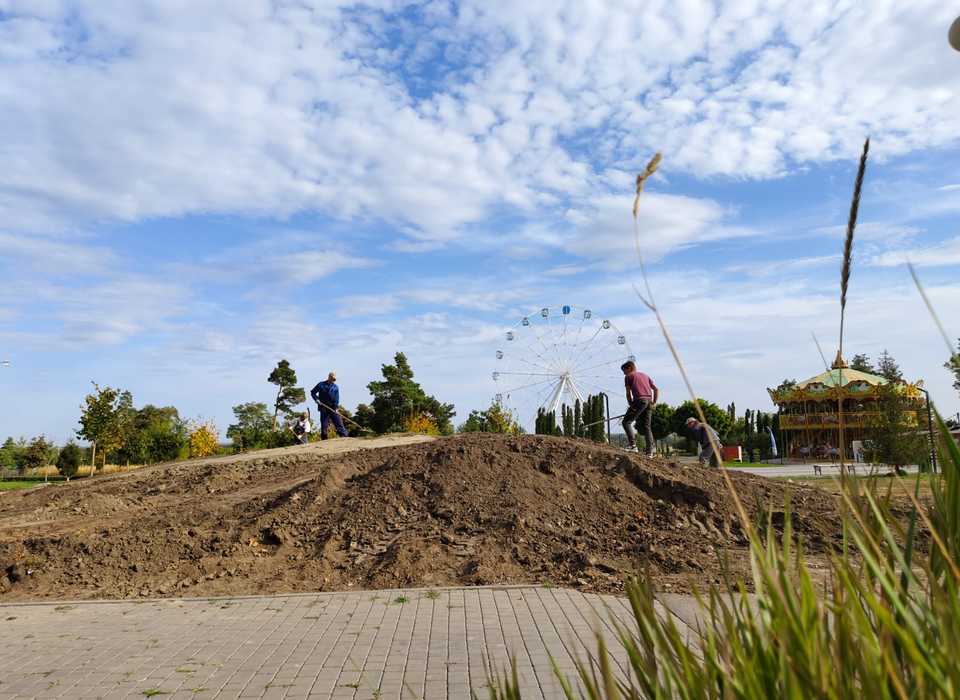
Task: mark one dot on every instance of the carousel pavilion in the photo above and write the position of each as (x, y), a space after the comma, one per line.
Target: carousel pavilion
(810, 410)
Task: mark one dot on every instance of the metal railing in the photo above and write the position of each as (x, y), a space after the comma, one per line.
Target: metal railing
(863, 419)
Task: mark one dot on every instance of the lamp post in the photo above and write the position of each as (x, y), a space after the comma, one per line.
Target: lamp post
(933, 444)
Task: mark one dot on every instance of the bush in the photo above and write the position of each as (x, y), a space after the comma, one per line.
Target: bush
(68, 461)
(422, 424)
(203, 439)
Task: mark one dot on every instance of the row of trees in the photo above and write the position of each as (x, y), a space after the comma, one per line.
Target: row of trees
(123, 434)
(582, 421)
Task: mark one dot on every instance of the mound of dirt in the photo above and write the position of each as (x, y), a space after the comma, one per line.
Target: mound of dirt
(475, 509)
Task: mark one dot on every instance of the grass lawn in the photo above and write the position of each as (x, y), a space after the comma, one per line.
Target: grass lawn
(13, 485)
(882, 482)
(749, 464)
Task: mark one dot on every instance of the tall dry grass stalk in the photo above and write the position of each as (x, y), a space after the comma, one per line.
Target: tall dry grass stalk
(844, 284)
(848, 240)
(650, 302)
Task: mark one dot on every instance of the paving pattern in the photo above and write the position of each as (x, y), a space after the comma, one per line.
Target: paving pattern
(365, 644)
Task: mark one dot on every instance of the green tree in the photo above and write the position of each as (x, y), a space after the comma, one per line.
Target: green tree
(253, 427)
(288, 393)
(364, 417)
(36, 455)
(495, 419)
(862, 363)
(398, 398)
(160, 434)
(476, 422)
(888, 367)
(893, 433)
(598, 416)
(953, 364)
(786, 385)
(662, 421)
(100, 422)
(68, 461)
(9, 454)
(716, 417)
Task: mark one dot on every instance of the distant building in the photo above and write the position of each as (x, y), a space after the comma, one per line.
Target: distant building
(810, 411)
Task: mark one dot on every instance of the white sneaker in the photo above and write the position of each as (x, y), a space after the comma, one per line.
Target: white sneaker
(631, 448)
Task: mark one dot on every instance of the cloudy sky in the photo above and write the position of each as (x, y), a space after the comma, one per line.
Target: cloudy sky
(191, 190)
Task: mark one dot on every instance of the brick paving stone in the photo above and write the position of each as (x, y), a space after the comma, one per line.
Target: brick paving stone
(419, 644)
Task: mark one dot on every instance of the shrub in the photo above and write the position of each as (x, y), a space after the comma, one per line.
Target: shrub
(203, 439)
(420, 423)
(68, 461)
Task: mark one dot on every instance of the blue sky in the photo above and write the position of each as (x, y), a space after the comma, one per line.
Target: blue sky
(192, 191)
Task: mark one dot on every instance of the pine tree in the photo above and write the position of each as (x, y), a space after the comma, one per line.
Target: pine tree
(288, 394)
(862, 363)
(887, 367)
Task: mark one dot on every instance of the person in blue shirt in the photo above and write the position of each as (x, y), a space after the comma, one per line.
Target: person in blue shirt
(327, 396)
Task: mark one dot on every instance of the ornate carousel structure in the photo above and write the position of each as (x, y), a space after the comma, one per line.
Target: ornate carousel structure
(810, 411)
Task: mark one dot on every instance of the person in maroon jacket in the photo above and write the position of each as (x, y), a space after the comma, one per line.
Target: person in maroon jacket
(642, 395)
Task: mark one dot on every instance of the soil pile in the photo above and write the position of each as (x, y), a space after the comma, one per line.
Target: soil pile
(475, 509)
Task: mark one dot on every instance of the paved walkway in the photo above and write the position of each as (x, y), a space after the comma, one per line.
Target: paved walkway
(371, 644)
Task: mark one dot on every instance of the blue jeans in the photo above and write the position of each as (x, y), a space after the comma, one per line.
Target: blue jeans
(326, 415)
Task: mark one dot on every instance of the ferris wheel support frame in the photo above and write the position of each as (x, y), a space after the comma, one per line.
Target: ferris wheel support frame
(566, 382)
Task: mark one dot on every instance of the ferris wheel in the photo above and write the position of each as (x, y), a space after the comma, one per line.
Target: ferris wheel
(556, 356)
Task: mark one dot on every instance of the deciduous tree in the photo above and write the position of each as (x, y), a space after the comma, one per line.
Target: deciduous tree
(36, 455)
(716, 417)
(953, 364)
(68, 461)
(253, 426)
(893, 433)
(662, 421)
(99, 421)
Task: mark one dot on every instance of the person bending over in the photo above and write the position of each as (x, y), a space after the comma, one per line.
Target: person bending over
(702, 433)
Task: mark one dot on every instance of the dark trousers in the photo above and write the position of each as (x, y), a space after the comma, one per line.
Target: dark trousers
(326, 415)
(640, 414)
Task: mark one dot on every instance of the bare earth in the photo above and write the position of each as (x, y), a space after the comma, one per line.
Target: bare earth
(398, 511)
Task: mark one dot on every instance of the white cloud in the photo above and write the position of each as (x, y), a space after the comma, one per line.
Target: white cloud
(940, 255)
(603, 228)
(61, 258)
(114, 112)
(366, 305)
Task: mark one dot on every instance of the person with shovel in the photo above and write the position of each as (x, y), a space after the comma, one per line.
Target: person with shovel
(642, 395)
(702, 432)
(327, 396)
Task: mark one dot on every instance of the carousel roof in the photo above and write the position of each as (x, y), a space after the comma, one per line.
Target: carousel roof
(834, 377)
(850, 382)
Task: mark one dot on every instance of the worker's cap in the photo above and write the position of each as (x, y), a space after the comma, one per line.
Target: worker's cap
(691, 420)
(332, 377)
